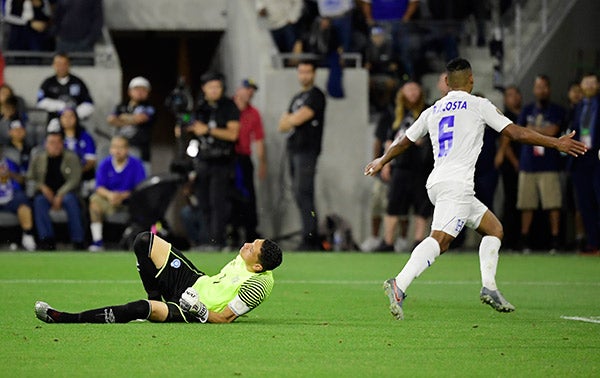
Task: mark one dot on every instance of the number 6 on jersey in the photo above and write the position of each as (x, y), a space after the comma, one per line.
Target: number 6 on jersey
(446, 133)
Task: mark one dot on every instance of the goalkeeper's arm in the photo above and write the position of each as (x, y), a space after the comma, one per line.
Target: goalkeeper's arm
(191, 303)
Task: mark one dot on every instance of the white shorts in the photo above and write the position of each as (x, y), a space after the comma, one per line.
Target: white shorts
(455, 207)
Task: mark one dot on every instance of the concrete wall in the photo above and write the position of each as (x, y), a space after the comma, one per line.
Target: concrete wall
(151, 14)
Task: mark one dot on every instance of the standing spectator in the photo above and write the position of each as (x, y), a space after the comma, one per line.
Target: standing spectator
(574, 95)
(251, 130)
(486, 168)
(281, 16)
(393, 16)
(56, 173)
(379, 191)
(539, 166)
(586, 172)
(64, 90)
(216, 127)
(408, 174)
(116, 177)
(507, 158)
(14, 200)
(303, 122)
(77, 24)
(78, 140)
(339, 14)
(29, 21)
(134, 118)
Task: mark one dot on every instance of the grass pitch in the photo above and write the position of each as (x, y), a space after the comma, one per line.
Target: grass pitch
(327, 317)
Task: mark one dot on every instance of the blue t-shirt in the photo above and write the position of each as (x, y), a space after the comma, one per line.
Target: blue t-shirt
(386, 10)
(125, 180)
(84, 146)
(536, 158)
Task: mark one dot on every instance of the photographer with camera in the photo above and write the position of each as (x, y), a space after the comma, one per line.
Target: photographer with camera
(216, 128)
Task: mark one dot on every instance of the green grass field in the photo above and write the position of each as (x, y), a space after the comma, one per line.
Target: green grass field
(327, 317)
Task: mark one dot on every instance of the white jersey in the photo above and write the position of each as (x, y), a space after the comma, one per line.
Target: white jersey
(455, 124)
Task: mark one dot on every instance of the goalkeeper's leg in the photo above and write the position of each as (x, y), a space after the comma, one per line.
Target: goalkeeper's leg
(143, 248)
(111, 314)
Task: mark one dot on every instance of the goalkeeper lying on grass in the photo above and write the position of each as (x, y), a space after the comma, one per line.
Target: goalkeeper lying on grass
(179, 292)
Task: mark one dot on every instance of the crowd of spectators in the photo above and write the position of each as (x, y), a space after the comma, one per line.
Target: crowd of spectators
(66, 26)
(397, 40)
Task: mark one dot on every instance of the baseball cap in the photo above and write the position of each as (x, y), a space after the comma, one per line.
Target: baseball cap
(15, 124)
(249, 83)
(139, 81)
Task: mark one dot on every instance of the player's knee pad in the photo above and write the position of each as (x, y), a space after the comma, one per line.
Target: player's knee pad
(143, 243)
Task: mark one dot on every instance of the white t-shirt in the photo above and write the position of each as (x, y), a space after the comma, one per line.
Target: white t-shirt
(455, 124)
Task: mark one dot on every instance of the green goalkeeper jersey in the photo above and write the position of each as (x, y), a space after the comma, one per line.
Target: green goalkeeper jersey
(235, 286)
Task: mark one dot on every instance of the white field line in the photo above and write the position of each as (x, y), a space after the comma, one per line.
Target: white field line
(592, 319)
(42, 281)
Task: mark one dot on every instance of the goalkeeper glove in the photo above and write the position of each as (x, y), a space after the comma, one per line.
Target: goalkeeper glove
(189, 302)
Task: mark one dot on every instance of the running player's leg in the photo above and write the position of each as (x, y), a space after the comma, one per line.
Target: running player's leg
(491, 229)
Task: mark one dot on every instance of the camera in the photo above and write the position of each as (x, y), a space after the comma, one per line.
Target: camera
(180, 103)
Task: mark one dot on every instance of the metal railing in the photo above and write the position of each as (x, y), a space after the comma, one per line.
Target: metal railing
(531, 23)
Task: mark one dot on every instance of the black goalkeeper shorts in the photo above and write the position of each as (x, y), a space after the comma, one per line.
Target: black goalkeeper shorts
(178, 274)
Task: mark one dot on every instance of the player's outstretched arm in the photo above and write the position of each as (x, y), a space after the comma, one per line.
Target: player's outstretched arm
(395, 149)
(565, 143)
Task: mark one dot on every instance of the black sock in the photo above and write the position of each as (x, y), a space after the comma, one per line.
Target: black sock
(111, 314)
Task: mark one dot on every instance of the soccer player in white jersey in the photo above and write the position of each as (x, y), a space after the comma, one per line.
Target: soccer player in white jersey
(179, 292)
(455, 124)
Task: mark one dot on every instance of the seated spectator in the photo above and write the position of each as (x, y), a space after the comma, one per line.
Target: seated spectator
(6, 92)
(14, 200)
(56, 174)
(29, 21)
(281, 17)
(78, 140)
(17, 148)
(384, 69)
(134, 117)
(64, 90)
(77, 24)
(8, 118)
(116, 177)
(394, 16)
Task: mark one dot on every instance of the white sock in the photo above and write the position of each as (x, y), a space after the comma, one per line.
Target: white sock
(421, 258)
(488, 261)
(96, 228)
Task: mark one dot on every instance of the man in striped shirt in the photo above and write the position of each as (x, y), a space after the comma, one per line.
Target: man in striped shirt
(179, 292)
